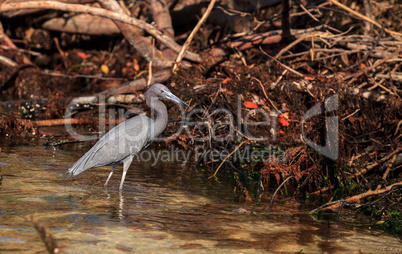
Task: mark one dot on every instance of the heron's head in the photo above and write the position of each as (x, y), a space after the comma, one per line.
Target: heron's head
(162, 92)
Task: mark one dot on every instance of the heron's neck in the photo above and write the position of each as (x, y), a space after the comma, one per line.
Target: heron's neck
(161, 119)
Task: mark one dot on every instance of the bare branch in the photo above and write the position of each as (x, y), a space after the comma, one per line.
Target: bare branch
(191, 36)
(52, 5)
(163, 21)
(133, 35)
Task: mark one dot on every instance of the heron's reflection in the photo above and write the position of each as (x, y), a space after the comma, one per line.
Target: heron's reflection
(121, 203)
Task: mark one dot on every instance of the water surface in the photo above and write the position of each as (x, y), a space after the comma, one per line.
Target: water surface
(166, 208)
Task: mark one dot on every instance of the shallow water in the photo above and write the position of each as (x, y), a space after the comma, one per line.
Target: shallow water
(166, 208)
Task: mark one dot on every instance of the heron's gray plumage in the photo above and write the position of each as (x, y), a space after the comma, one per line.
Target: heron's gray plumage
(104, 152)
(125, 140)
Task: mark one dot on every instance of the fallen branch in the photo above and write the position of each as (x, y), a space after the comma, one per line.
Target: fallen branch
(356, 198)
(391, 76)
(163, 21)
(7, 61)
(375, 164)
(138, 84)
(257, 40)
(368, 168)
(58, 122)
(45, 234)
(133, 35)
(354, 76)
(52, 5)
(82, 24)
(307, 86)
(68, 121)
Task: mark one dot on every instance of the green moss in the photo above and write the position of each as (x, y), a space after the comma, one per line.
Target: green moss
(392, 224)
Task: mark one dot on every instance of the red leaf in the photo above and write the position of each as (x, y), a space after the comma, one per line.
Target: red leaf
(283, 120)
(226, 80)
(309, 78)
(83, 55)
(325, 79)
(249, 104)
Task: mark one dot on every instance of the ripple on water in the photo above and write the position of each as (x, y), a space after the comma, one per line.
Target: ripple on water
(169, 208)
(5, 239)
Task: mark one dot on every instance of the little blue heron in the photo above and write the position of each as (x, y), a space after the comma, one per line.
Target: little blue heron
(125, 140)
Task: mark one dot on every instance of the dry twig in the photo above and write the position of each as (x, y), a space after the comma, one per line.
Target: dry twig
(191, 36)
(366, 194)
(363, 17)
(237, 148)
(375, 164)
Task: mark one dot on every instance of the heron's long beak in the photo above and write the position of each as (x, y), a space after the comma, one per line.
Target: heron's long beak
(174, 98)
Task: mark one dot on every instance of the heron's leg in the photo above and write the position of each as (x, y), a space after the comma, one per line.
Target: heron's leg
(126, 164)
(110, 175)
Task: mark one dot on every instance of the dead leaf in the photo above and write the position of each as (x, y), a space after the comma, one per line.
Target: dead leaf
(226, 80)
(104, 68)
(83, 55)
(283, 121)
(136, 65)
(249, 104)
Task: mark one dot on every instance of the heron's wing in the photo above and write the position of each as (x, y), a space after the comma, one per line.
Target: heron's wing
(125, 139)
